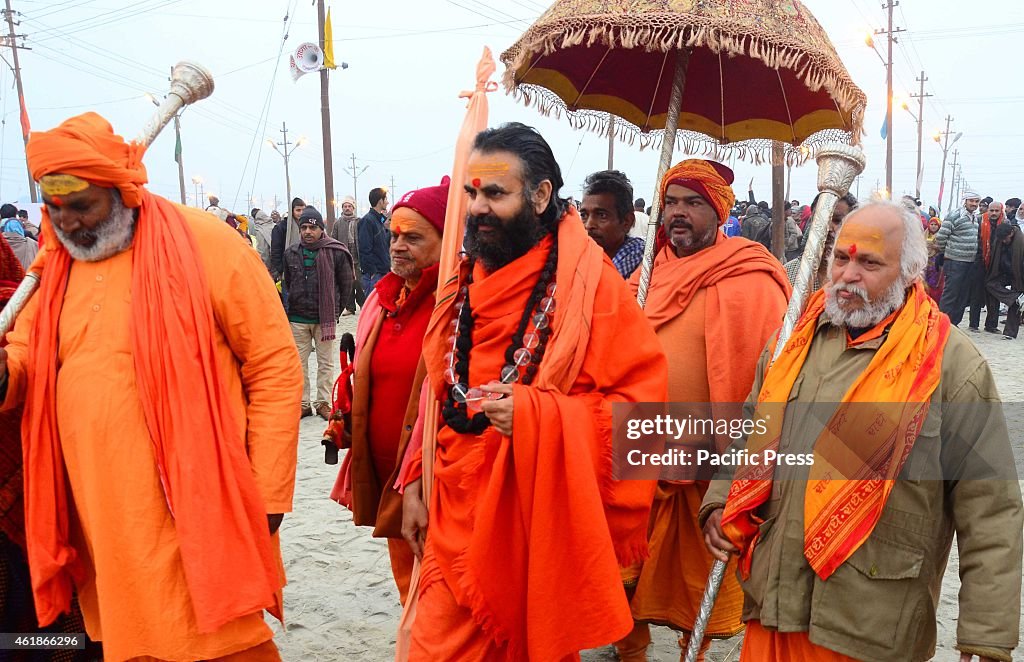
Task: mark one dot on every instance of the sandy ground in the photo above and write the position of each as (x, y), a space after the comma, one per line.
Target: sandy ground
(341, 602)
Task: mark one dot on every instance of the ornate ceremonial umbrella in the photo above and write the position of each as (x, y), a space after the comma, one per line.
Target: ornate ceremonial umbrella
(718, 77)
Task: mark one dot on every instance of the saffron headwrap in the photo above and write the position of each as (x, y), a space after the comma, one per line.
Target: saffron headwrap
(712, 180)
(86, 146)
(219, 516)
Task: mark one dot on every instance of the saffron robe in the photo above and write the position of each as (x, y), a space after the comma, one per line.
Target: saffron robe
(526, 531)
(713, 311)
(133, 594)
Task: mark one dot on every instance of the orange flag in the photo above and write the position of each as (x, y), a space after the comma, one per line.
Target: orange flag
(451, 246)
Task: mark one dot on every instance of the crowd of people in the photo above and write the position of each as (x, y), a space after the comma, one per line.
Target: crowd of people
(159, 408)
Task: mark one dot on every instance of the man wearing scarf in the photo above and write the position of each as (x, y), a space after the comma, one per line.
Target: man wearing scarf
(1005, 283)
(713, 303)
(890, 438)
(344, 230)
(527, 525)
(318, 276)
(157, 463)
(958, 240)
(989, 222)
(263, 228)
(284, 236)
(389, 373)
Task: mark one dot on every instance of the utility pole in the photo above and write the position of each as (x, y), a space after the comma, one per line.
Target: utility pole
(890, 34)
(956, 154)
(286, 153)
(11, 37)
(921, 96)
(325, 121)
(355, 179)
(392, 193)
(177, 150)
(355, 196)
(943, 138)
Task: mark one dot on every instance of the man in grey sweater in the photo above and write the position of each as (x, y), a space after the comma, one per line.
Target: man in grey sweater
(958, 238)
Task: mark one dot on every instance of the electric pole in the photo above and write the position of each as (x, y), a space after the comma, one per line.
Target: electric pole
(921, 96)
(286, 153)
(956, 154)
(890, 34)
(355, 179)
(11, 41)
(943, 138)
(393, 194)
(355, 196)
(325, 121)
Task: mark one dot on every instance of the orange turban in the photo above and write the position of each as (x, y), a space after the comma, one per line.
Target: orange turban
(712, 180)
(87, 147)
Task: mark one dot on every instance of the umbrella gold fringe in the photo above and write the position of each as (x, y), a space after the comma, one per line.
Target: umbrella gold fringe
(816, 70)
(756, 151)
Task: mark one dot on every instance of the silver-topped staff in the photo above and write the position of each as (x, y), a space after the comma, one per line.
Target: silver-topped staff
(838, 166)
(190, 82)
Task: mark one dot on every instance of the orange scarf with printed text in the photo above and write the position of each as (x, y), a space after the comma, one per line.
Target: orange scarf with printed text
(863, 447)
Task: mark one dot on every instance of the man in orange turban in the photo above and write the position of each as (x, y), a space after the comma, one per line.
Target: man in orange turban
(713, 303)
(168, 399)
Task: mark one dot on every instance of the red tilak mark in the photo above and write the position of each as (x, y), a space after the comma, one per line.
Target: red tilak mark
(853, 250)
(56, 201)
(476, 183)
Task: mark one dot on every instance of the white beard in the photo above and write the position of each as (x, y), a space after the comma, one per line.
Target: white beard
(113, 235)
(868, 315)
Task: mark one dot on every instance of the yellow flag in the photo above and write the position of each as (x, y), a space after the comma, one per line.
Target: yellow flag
(328, 43)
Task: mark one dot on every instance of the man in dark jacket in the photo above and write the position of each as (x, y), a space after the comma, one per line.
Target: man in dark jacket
(757, 226)
(284, 235)
(318, 275)
(373, 240)
(1005, 282)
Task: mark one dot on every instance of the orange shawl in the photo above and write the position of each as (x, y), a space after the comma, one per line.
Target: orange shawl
(540, 569)
(986, 236)
(220, 519)
(844, 498)
(735, 335)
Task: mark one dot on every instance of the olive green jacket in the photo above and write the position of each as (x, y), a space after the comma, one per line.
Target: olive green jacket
(880, 605)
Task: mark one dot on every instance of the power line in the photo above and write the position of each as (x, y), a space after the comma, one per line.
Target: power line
(265, 111)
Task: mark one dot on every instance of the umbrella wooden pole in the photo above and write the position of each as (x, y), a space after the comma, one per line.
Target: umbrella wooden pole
(838, 166)
(675, 104)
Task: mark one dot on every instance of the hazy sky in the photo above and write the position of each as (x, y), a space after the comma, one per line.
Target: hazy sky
(397, 109)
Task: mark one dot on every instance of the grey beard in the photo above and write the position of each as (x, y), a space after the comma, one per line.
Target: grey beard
(868, 315)
(113, 235)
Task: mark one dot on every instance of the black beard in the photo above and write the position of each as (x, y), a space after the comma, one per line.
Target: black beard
(508, 241)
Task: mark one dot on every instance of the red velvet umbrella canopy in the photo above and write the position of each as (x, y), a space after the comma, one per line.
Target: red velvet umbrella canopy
(758, 70)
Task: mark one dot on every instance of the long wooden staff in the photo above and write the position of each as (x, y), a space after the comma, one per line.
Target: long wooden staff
(190, 82)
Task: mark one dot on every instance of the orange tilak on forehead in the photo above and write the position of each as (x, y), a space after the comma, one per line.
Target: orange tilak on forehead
(856, 238)
(479, 171)
(405, 220)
